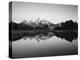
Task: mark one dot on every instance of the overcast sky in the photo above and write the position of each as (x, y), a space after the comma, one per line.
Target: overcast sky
(55, 13)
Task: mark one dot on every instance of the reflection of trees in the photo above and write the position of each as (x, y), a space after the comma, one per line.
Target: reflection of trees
(67, 35)
(38, 36)
(43, 36)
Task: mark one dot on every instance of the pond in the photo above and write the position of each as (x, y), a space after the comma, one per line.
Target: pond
(45, 44)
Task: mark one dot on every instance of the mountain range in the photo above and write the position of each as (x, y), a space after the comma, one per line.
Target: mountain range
(38, 24)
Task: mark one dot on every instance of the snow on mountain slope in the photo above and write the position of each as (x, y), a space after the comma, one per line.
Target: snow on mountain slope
(39, 22)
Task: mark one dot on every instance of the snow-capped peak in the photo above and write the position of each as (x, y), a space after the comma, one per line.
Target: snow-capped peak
(36, 22)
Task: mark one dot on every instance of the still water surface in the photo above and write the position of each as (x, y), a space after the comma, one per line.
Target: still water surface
(50, 45)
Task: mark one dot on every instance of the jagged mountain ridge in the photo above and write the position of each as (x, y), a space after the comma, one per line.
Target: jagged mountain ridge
(40, 23)
(36, 21)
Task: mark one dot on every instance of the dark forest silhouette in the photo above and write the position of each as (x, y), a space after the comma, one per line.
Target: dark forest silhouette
(68, 25)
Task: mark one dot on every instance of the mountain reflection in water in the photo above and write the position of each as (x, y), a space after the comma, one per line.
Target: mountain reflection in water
(43, 35)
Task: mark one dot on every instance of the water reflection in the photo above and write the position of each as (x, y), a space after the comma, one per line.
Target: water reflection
(67, 35)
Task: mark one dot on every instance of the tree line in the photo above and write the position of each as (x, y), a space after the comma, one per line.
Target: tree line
(68, 25)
